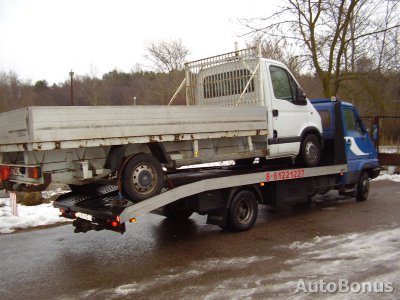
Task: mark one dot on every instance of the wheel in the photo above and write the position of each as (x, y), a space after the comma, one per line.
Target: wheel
(142, 177)
(362, 189)
(310, 152)
(242, 211)
(178, 213)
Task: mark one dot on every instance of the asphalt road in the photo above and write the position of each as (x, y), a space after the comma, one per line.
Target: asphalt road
(158, 259)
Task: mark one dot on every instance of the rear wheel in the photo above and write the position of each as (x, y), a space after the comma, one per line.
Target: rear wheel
(142, 177)
(362, 189)
(242, 211)
(310, 152)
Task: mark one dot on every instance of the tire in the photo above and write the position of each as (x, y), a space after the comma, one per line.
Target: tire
(362, 189)
(310, 152)
(177, 213)
(142, 177)
(242, 211)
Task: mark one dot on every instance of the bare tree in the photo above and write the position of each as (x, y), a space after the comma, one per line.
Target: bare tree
(283, 52)
(335, 34)
(166, 56)
(14, 93)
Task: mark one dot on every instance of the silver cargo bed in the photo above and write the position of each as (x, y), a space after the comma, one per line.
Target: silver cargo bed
(64, 127)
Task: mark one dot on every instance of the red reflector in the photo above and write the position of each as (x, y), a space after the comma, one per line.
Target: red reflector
(34, 173)
(114, 224)
(4, 172)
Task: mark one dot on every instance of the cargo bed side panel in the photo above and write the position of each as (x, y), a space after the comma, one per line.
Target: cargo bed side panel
(53, 127)
(15, 127)
(84, 123)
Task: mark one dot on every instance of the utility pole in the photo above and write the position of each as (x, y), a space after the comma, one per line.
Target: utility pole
(72, 87)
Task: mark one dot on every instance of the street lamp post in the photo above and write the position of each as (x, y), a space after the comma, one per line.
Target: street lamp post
(72, 87)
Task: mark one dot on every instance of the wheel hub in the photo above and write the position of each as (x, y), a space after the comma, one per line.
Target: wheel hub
(311, 150)
(244, 211)
(143, 178)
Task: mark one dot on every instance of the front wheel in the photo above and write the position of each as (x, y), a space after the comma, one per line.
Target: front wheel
(310, 150)
(362, 190)
(242, 211)
(142, 177)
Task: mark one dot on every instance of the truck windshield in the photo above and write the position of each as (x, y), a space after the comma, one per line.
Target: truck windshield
(353, 125)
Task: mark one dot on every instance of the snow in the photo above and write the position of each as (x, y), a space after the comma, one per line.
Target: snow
(29, 216)
(363, 257)
(386, 176)
(189, 272)
(374, 255)
(389, 149)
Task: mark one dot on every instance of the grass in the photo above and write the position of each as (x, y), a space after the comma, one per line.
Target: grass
(30, 199)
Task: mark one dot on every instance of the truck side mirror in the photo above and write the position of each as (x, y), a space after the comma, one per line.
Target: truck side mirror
(300, 96)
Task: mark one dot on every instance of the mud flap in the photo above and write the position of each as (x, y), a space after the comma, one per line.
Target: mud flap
(218, 217)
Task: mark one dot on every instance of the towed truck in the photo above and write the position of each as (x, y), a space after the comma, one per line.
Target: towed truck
(230, 196)
(239, 106)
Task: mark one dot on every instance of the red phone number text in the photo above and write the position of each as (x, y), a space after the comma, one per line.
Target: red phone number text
(282, 175)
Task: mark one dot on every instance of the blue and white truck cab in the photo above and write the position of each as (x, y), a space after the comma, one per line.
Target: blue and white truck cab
(360, 152)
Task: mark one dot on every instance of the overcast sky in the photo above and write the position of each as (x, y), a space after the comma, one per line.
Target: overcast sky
(45, 39)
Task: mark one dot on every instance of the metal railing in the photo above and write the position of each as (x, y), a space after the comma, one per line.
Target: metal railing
(385, 132)
(229, 79)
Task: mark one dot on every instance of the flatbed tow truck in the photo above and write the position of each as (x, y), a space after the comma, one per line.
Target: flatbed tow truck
(230, 195)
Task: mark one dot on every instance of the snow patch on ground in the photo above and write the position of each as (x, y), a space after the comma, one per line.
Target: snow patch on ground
(385, 176)
(29, 216)
(369, 256)
(389, 149)
(195, 270)
(357, 257)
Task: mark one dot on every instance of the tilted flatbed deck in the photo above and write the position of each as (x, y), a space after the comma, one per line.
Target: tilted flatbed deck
(103, 204)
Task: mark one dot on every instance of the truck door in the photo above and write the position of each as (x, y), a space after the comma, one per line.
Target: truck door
(358, 144)
(288, 117)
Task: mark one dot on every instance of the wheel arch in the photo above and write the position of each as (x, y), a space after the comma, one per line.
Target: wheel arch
(118, 154)
(311, 130)
(252, 188)
(371, 167)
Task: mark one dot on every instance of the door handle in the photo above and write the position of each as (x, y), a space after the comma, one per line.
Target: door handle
(275, 113)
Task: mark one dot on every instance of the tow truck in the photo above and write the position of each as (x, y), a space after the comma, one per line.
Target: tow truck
(230, 195)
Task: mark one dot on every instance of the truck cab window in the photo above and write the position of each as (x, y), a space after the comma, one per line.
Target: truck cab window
(283, 84)
(353, 123)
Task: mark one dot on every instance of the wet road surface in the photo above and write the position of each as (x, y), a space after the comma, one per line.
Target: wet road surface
(158, 259)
